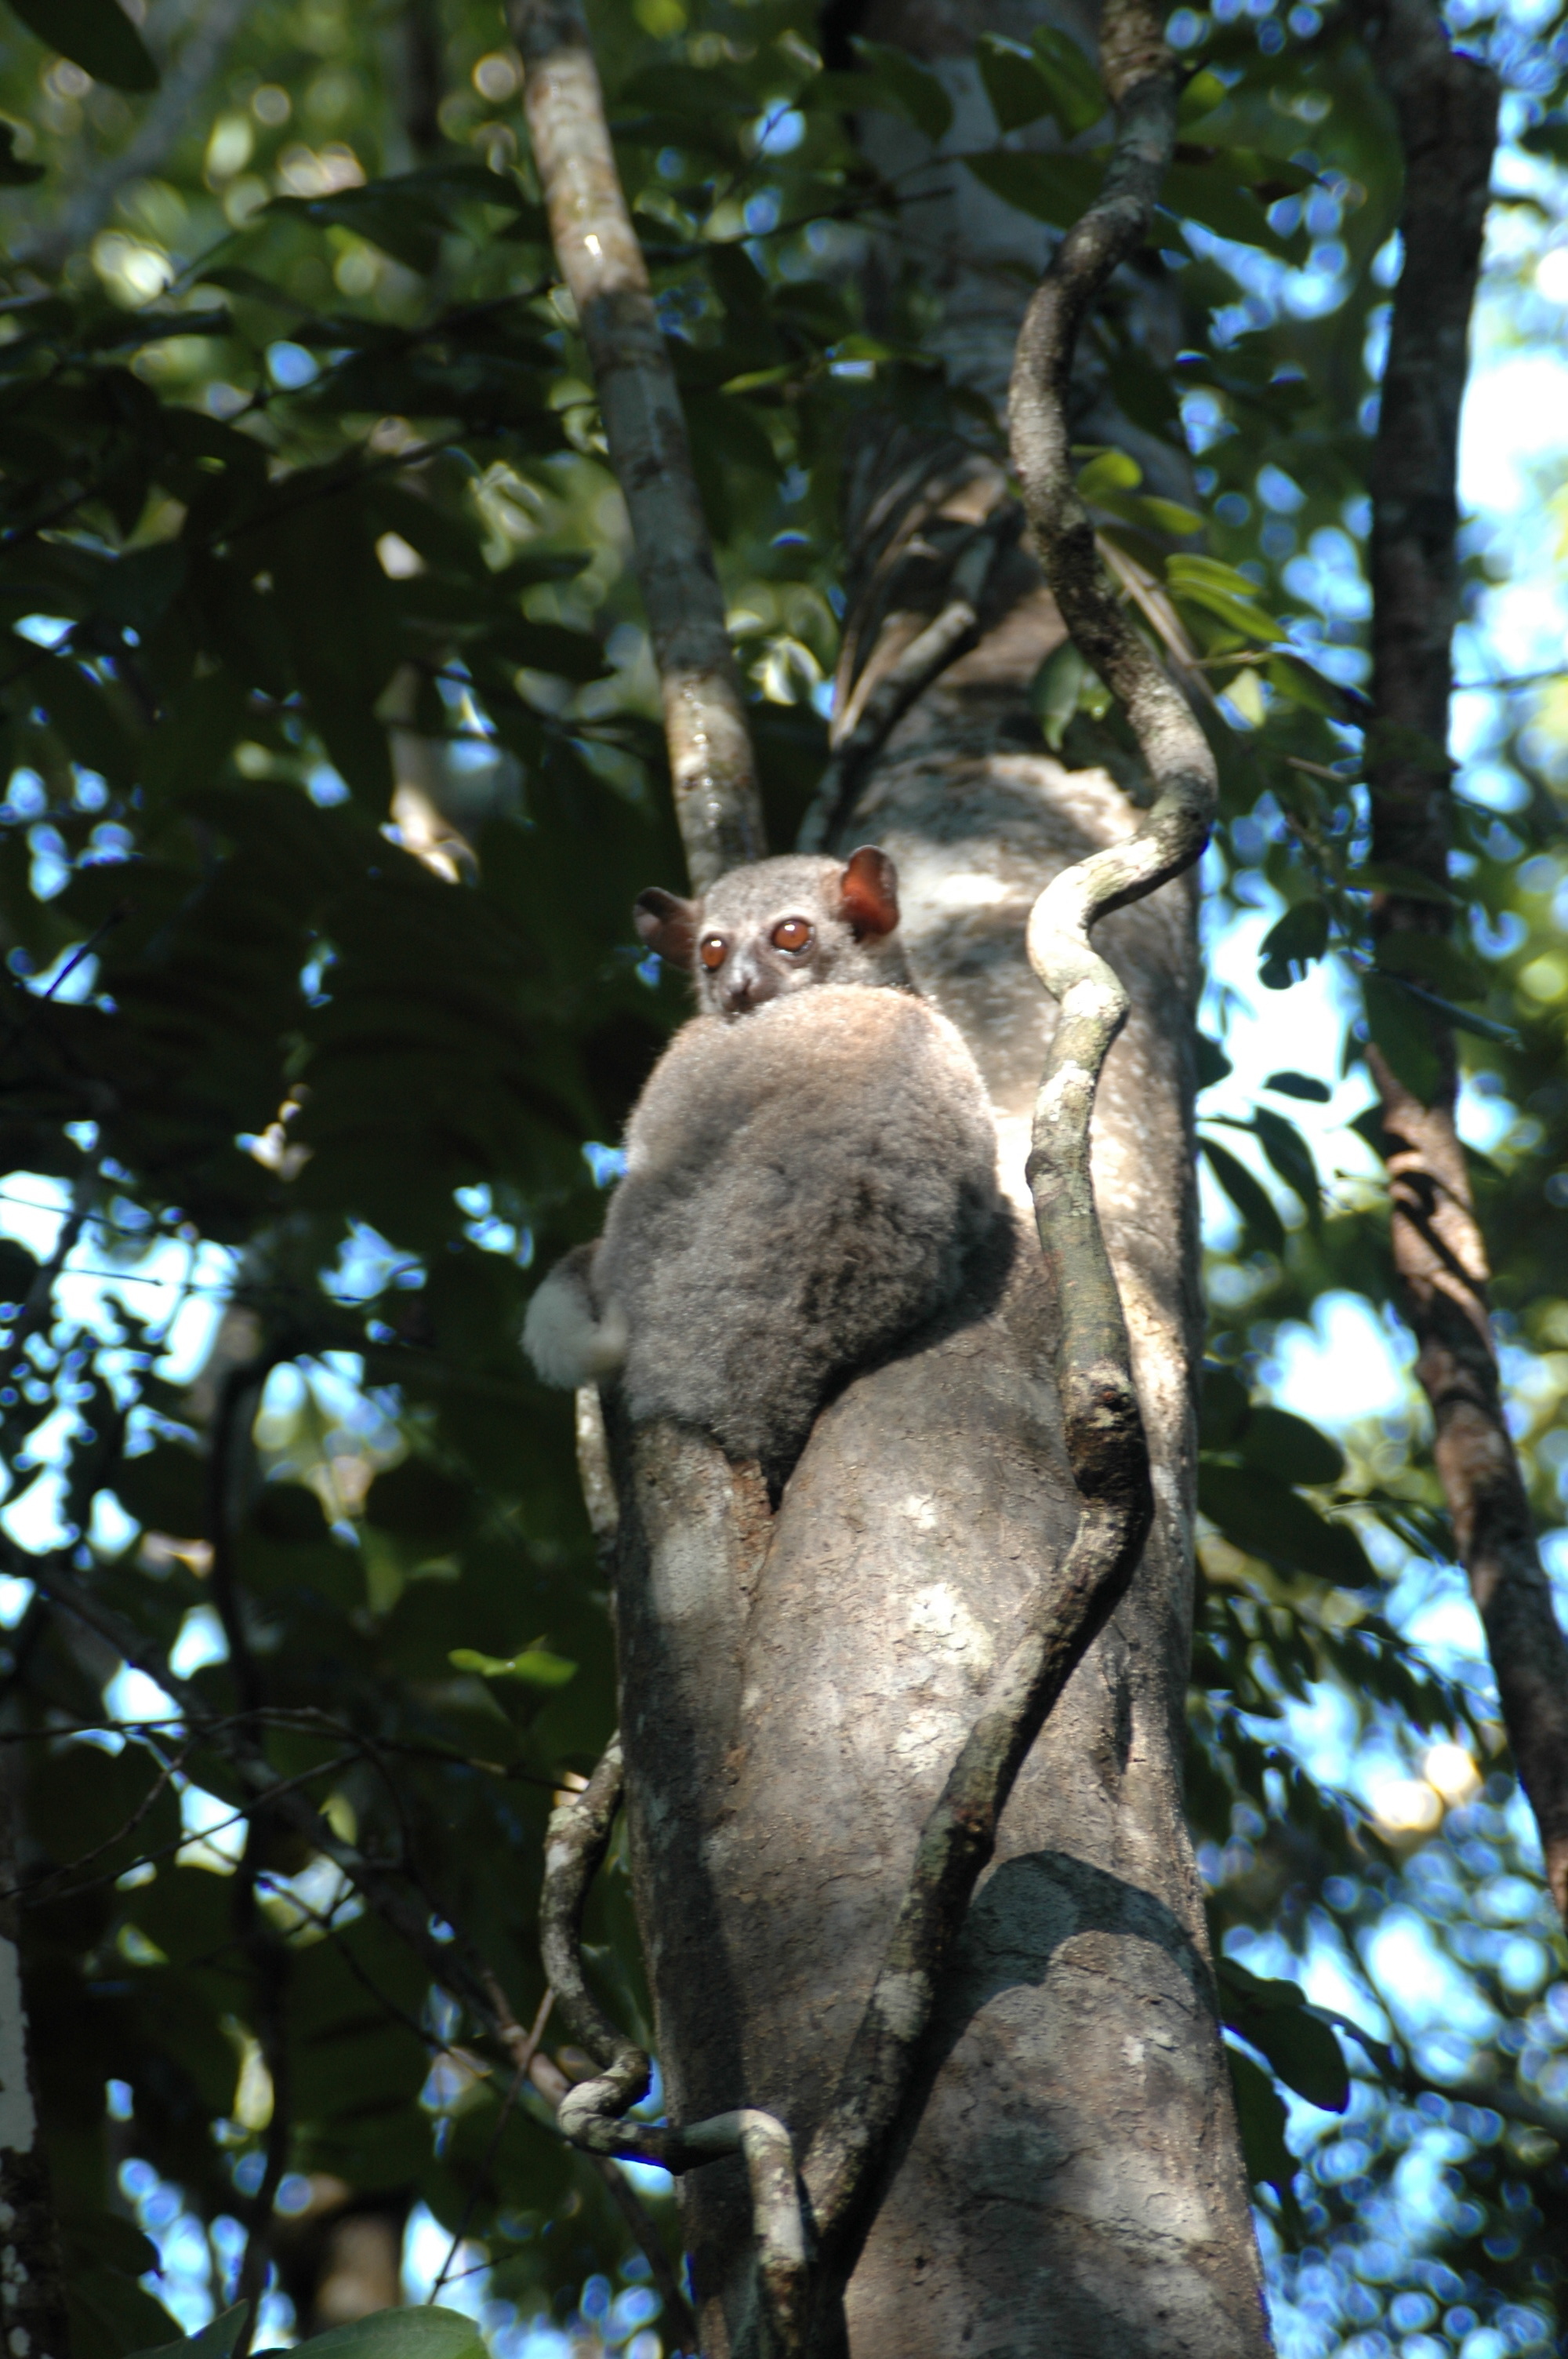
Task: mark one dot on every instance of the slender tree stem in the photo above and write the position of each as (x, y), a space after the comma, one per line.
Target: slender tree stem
(1446, 108)
(712, 766)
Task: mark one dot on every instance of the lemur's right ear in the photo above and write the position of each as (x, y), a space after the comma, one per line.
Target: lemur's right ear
(870, 886)
(667, 925)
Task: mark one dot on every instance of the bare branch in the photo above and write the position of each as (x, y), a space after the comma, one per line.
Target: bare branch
(893, 690)
(165, 121)
(1446, 106)
(590, 2114)
(711, 763)
(38, 1307)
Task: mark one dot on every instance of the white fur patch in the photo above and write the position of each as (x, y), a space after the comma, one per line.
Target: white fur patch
(567, 1345)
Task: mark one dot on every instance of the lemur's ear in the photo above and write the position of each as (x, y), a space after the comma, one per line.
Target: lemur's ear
(870, 890)
(667, 924)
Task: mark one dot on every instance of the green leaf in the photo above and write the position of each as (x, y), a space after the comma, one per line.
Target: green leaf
(1203, 583)
(422, 2333)
(1167, 516)
(95, 34)
(18, 1271)
(166, 1489)
(217, 2340)
(536, 1667)
(1018, 90)
(1108, 471)
(1265, 1517)
(1292, 1157)
(1213, 1063)
(1265, 1230)
(15, 173)
(1057, 188)
(1216, 192)
(1063, 685)
(1077, 96)
(1461, 1019)
(1287, 1446)
(1292, 1085)
(195, 734)
(138, 588)
(333, 604)
(1404, 884)
(1401, 1028)
(419, 1502)
(1261, 2112)
(1226, 1407)
(911, 89)
(1299, 938)
(110, 2314)
(1547, 138)
(1431, 959)
(1273, 2016)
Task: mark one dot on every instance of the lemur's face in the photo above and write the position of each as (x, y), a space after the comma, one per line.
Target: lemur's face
(776, 927)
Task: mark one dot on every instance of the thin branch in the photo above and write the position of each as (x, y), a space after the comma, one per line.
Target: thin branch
(168, 121)
(711, 762)
(597, 1475)
(535, 2034)
(455, 1966)
(895, 689)
(35, 1311)
(228, 1452)
(591, 2113)
(1446, 107)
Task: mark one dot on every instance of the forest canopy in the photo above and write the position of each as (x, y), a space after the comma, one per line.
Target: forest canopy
(334, 764)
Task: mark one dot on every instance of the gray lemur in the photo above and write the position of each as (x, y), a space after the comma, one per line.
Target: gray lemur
(809, 1167)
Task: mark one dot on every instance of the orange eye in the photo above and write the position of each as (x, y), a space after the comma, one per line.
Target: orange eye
(714, 952)
(792, 934)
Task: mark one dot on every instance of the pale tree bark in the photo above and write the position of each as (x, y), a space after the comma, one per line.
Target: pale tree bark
(1446, 109)
(712, 766)
(797, 1686)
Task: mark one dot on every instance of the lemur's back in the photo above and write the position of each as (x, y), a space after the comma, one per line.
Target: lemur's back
(809, 1171)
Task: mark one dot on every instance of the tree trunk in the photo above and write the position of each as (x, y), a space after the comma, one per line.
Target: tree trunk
(796, 1686)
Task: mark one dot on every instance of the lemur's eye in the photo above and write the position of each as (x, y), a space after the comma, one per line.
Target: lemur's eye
(792, 934)
(714, 952)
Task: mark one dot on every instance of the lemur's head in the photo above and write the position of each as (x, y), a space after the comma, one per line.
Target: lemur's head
(778, 925)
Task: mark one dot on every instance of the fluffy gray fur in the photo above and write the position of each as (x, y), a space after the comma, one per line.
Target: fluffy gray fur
(804, 1187)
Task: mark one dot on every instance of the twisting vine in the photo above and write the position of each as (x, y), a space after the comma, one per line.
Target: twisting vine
(798, 2274)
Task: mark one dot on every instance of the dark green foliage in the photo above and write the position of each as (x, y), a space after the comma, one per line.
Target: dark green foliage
(303, 469)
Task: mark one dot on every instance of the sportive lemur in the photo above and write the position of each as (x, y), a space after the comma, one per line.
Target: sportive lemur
(809, 1167)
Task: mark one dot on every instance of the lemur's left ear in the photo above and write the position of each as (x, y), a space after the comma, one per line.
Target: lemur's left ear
(870, 890)
(667, 924)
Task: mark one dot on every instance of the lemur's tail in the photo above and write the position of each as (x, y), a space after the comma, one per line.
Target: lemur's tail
(569, 1342)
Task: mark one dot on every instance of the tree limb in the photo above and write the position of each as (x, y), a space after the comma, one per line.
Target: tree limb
(1446, 107)
(892, 692)
(711, 763)
(1103, 1425)
(1104, 1428)
(590, 2114)
(165, 121)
